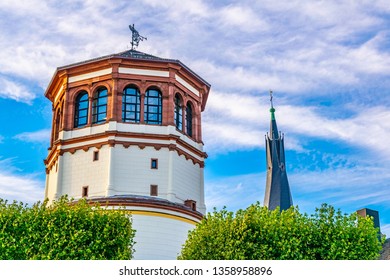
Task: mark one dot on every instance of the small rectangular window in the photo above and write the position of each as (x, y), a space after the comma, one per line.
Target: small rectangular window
(95, 155)
(84, 191)
(153, 190)
(154, 163)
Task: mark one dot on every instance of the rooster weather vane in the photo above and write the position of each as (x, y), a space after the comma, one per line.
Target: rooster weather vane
(135, 37)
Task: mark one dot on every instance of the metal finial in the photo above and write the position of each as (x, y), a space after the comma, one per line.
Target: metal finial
(271, 96)
(135, 37)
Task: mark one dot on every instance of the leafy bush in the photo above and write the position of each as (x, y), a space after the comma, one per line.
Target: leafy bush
(64, 230)
(257, 233)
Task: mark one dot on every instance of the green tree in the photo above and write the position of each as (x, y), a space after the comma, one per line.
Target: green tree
(257, 233)
(64, 230)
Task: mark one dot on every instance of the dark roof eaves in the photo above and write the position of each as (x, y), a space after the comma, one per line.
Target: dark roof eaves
(120, 55)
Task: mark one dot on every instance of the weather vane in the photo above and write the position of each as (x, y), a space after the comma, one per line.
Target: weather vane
(270, 98)
(135, 37)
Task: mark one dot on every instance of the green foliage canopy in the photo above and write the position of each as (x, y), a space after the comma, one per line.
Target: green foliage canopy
(257, 233)
(64, 230)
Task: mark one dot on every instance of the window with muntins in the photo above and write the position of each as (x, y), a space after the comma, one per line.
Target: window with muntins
(153, 107)
(189, 119)
(99, 106)
(131, 105)
(81, 109)
(178, 113)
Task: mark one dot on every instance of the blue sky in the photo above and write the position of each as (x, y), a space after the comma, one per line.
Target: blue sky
(328, 63)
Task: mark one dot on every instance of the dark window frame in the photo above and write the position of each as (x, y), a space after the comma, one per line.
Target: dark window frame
(84, 191)
(154, 163)
(131, 99)
(81, 109)
(153, 107)
(99, 106)
(95, 155)
(189, 119)
(178, 113)
(57, 125)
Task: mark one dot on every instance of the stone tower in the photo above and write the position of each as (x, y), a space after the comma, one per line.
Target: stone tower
(126, 131)
(277, 191)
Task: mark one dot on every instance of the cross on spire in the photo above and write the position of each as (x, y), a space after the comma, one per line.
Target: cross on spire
(270, 95)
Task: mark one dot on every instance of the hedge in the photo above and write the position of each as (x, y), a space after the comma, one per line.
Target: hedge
(64, 230)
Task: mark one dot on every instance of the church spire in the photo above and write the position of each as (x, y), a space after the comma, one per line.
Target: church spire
(273, 127)
(277, 191)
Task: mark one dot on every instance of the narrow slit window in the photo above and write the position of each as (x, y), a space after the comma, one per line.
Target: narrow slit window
(189, 118)
(178, 113)
(154, 163)
(153, 190)
(85, 191)
(95, 155)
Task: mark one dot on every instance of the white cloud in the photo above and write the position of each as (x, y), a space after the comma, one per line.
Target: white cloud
(176, 9)
(26, 189)
(14, 90)
(36, 136)
(13, 186)
(235, 121)
(292, 46)
(241, 17)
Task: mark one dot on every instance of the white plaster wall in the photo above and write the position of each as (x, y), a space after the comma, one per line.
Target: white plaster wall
(177, 178)
(159, 238)
(132, 172)
(51, 183)
(187, 181)
(79, 170)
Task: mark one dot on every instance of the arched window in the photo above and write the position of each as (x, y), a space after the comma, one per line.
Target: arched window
(81, 110)
(57, 125)
(178, 113)
(153, 107)
(131, 104)
(189, 119)
(99, 106)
